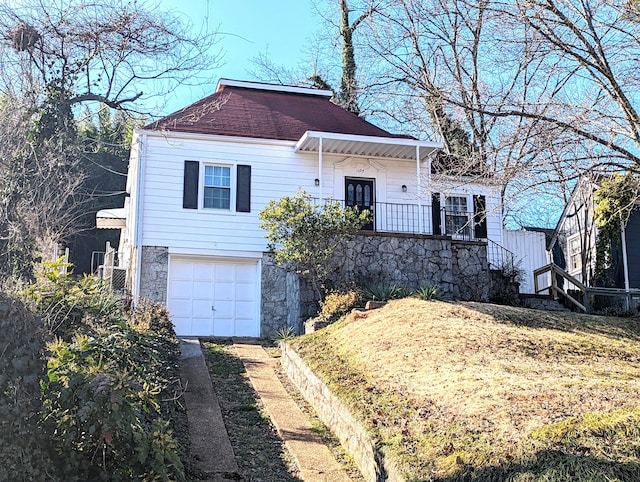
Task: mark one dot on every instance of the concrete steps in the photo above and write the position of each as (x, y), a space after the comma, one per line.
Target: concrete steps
(542, 302)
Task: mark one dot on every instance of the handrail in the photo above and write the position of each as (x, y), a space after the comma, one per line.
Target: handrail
(499, 256)
(587, 291)
(554, 289)
(561, 272)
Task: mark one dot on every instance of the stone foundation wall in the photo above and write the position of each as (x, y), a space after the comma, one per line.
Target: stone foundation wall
(153, 273)
(471, 279)
(280, 298)
(458, 268)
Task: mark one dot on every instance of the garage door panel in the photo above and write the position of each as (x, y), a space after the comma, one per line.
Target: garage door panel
(181, 288)
(245, 292)
(224, 291)
(246, 273)
(182, 271)
(224, 327)
(231, 288)
(245, 309)
(182, 325)
(246, 328)
(201, 290)
(181, 308)
(225, 273)
(202, 308)
(202, 272)
(224, 309)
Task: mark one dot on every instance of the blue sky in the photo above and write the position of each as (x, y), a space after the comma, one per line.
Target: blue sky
(280, 28)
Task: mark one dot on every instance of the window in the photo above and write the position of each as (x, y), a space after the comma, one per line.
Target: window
(217, 187)
(456, 217)
(575, 253)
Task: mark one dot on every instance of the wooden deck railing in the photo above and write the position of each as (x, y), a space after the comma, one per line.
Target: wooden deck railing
(556, 272)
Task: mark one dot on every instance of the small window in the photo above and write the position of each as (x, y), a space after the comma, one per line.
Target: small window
(575, 253)
(217, 187)
(457, 216)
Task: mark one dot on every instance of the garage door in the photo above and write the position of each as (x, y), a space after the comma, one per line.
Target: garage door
(214, 297)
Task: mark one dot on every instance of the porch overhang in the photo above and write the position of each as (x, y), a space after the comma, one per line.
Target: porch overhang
(111, 218)
(366, 146)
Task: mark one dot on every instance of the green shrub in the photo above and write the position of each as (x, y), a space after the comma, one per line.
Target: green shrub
(109, 389)
(385, 291)
(23, 445)
(339, 303)
(65, 303)
(427, 293)
(102, 406)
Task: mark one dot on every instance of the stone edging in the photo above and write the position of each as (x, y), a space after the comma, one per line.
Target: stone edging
(369, 458)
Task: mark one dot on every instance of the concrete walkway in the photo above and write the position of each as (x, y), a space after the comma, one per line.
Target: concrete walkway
(210, 445)
(315, 461)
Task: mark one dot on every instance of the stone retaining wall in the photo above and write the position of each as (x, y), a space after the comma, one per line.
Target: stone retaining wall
(458, 268)
(370, 460)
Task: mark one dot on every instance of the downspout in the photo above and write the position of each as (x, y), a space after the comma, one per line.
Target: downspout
(419, 188)
(137, 236)
(320, 159)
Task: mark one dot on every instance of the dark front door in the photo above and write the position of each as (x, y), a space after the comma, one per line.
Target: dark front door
(360, 193)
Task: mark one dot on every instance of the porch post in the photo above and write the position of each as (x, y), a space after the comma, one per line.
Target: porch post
(625, 266)
(320, 168)
(419, 188)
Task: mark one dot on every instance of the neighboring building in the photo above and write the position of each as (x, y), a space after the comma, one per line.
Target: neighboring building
(199, 177)
(573, 246)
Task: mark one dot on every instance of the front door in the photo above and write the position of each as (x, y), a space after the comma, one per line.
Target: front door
(360, 193)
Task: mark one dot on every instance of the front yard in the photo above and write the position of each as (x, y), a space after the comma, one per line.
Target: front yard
(468, 391)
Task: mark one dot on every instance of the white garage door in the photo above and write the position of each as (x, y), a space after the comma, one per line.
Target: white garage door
(214, 297)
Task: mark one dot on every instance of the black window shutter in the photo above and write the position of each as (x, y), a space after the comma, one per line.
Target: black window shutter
(435, 213)
(480, 216)
(190, 190)
(243, 189)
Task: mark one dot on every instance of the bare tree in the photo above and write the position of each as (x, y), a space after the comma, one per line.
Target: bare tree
(543, 88)
(109, 52)
(41, 196)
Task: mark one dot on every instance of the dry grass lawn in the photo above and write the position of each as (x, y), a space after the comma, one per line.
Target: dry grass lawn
(470, 391)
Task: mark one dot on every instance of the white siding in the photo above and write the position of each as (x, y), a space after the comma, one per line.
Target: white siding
(277, 170)
(529, 249)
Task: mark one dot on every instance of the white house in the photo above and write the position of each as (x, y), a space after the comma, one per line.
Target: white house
(199, 177)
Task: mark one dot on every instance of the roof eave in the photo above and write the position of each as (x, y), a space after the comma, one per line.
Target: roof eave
(366, 146)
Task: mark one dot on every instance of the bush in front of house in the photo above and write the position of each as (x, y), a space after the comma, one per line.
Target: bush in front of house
(110, 384)
(339, 303)
(102, 406)
(385, 291)
(67, 304)
(23, 446)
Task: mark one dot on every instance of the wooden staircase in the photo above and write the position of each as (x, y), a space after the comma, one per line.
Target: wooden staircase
(563, 290)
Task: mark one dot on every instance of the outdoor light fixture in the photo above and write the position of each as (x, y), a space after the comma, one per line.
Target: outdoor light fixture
(317, 181)
(404, 188)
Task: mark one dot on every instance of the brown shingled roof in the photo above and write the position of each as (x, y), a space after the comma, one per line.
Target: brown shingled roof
(265, 114)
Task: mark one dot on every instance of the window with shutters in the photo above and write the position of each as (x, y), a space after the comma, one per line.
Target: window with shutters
(217, 187)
